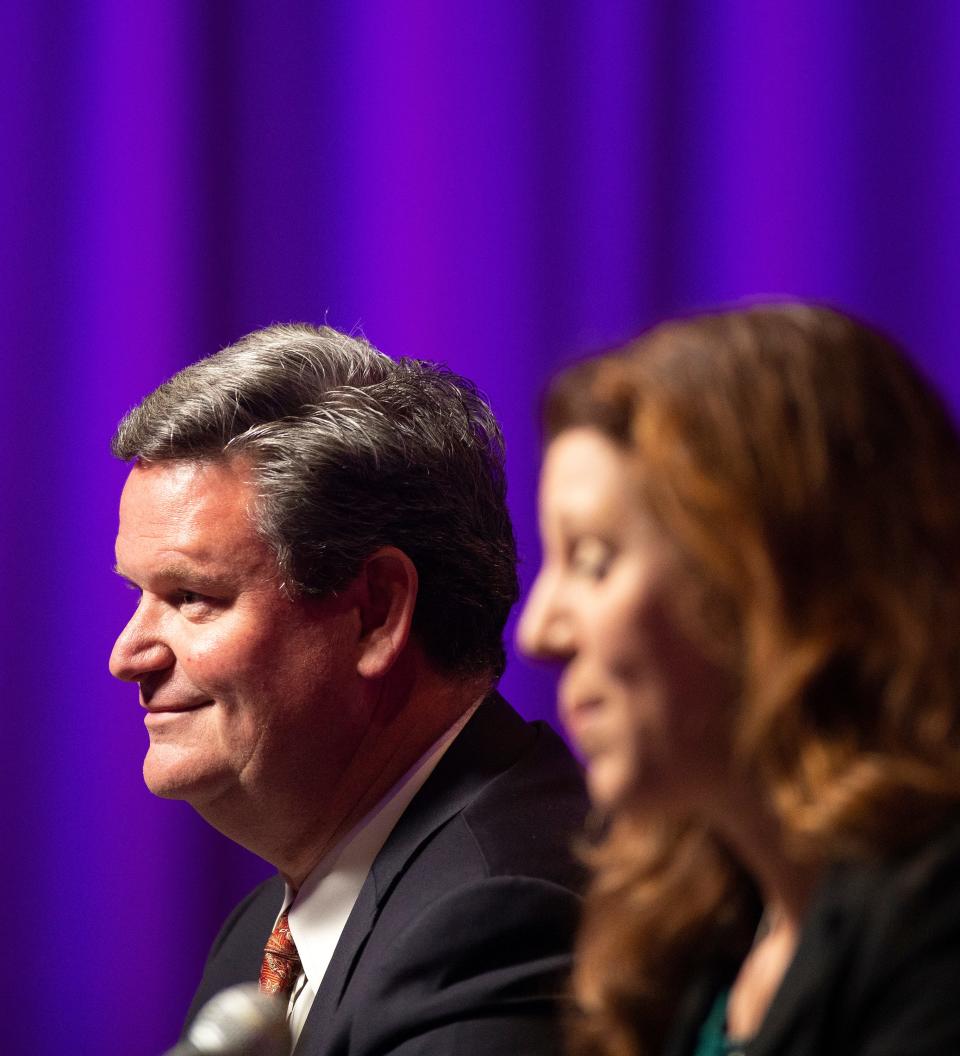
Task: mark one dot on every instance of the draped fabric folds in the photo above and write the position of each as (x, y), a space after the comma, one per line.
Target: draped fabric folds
(499, 186)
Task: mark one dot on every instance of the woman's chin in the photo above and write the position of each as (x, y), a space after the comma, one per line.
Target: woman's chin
(608, 780)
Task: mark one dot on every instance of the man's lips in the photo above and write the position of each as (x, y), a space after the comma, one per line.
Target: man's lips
(175, 709)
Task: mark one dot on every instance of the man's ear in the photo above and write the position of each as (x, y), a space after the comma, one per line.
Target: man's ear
(387, 596)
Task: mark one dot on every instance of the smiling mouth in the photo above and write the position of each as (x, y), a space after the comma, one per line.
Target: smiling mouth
(176, 709)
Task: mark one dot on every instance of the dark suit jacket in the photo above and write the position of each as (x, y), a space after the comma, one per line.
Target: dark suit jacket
(877, 968)
(460, 939)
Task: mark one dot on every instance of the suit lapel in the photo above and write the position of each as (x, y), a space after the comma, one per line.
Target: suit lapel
(357, 929)
(811, 983)
(239, 948)
(491, 741)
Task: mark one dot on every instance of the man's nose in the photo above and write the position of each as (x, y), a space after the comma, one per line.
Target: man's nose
(546, 627)
(139, 651)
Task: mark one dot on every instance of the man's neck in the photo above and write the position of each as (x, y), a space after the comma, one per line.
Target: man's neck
(296, 823)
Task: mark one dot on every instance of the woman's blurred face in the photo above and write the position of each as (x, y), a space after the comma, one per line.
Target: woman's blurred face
(643, 703)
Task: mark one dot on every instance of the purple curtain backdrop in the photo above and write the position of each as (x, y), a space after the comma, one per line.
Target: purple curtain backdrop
(497, 186)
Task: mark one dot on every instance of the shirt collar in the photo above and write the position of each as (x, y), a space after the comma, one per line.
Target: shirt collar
(319, 910)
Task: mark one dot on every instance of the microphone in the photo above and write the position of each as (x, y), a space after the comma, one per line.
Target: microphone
(239, 1021)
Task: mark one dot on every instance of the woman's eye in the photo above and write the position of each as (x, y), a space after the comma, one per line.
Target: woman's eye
(590, 557)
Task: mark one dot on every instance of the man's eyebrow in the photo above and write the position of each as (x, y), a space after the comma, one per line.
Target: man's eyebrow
(180, 574)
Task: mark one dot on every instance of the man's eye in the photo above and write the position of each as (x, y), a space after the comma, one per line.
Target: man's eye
(590, 557)
(188, 597)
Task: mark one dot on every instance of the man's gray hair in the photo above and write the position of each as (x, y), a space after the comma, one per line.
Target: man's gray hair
(352, 451)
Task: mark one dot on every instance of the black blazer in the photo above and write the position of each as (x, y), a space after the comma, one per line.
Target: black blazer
(460, 938)
(877, 968)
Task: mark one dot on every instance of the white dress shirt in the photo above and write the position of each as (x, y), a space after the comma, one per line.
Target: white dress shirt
(318, 912)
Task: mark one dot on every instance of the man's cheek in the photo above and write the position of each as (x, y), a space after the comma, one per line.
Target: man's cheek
(212, 657)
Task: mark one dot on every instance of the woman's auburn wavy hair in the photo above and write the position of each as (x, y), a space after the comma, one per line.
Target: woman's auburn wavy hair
(810, 481)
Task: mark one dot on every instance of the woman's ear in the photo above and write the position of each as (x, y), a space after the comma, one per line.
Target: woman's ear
(387, 597)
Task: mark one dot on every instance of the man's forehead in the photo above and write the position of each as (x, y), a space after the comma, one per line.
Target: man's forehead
(186, 514)
(178, 489)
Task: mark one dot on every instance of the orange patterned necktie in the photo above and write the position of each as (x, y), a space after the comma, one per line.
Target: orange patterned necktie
(281, 962)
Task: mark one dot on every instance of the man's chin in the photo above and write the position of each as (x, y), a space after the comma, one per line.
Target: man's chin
(178, 779)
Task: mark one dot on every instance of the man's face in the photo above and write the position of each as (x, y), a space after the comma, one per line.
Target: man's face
(244, 688)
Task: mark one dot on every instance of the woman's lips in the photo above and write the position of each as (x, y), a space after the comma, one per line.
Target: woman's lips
(581, 720)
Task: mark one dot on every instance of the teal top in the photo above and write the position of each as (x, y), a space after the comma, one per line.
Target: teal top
(713, 1040)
